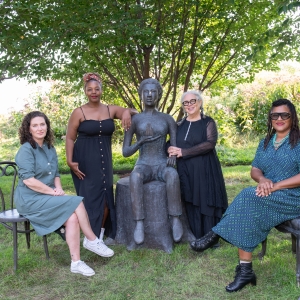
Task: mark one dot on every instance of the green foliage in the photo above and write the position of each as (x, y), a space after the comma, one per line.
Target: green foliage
(58, 107)
(181, 43)
(57, 104)
(219, 110)
(146, 274)
(251, 112)
(121, 163)
(241, 112)
(237, 155)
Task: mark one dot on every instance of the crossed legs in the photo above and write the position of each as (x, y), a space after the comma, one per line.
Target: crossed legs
(78, 220)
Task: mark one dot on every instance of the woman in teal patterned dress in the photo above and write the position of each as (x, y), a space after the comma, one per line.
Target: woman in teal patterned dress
(275, 199)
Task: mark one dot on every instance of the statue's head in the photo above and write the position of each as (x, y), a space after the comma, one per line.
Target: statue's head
(150, 86)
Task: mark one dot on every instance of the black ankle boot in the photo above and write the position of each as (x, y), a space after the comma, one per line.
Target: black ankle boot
(244, 275)
(205, 242)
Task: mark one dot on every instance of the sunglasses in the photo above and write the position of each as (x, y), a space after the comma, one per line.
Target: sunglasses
(283, 115)
(191, 102)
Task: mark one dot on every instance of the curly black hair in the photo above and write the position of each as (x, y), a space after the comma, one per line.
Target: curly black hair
(25, 135)
(294, 136)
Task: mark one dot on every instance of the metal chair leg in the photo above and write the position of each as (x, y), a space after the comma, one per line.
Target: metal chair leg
(298, 260)
(27, 228)
(15, 245)
(46, 246)
(263, 251)
(294, 250)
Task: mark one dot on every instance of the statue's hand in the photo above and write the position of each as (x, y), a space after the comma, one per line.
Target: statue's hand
(148, 138)
(171, 161)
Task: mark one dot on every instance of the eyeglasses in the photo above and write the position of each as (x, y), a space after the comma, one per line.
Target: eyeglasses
(191, 102)
(283, 115)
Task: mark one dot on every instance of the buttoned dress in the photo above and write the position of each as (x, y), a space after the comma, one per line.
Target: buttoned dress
(46, 213)
(92, 151)
(249, 218)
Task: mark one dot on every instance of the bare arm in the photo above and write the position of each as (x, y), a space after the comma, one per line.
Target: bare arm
(289, 183)
(123, 114)
(265, 186)
(257, 175)
(71, 136)
(58, 191)
(38, 186)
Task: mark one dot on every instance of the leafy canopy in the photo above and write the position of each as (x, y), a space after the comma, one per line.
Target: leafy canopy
(184, 44)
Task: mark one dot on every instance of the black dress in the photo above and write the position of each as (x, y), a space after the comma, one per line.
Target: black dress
(202, 184)
(92, 150)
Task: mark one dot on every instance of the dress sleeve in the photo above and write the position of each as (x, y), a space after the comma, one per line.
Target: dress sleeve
(256, 162)
(205, 147)
(56, 162)
(26, 162)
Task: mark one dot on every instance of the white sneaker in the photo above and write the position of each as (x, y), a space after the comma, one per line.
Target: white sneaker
(99, 248)
(82, 268)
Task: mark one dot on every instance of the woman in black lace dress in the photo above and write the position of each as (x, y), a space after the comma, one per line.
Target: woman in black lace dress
(201, 179)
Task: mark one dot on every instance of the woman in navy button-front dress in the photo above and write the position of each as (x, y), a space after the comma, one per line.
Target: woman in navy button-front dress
(89, 155)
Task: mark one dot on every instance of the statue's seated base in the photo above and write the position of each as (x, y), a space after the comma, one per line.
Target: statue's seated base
(157, 223)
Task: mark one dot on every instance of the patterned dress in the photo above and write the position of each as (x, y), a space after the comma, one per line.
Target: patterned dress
(249, 218)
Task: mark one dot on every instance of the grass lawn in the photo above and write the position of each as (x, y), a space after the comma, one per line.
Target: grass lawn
(146, 274)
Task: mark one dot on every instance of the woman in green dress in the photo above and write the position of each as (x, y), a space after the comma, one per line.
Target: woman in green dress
(39, 195)
(275, 199)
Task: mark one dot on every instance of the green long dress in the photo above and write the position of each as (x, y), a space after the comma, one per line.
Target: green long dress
(46, 213)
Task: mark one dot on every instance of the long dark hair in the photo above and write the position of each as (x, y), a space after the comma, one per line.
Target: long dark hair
(25, 135)
(294, 133)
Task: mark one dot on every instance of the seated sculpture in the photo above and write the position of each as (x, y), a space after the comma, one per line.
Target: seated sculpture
(151, 128)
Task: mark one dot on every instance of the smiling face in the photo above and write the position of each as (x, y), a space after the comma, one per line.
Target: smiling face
(150, 94)
(281, 126)
(93, 91)
(38, 129)
(189, 108)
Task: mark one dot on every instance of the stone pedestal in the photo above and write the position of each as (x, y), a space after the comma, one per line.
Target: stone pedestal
(157, 224)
